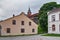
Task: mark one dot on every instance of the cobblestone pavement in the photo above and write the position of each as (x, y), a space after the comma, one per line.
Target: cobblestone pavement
(34, 37)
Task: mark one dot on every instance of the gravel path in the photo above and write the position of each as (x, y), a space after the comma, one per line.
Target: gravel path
(35, 37)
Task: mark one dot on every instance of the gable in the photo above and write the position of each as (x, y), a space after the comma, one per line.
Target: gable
(21, 17)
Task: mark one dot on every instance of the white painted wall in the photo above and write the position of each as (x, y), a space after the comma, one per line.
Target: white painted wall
(56, 22)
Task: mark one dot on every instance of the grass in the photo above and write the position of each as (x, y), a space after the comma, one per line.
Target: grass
(18, 35)
(54, 35)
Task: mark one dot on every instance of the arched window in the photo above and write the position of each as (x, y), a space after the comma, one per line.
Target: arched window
(53, 27)
(14, 22)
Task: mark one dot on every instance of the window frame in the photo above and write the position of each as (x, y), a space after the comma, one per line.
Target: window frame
(22, 30)
(22, 22)
(53, 17)
(29, 23)
(14, 22)
(53, 27)
(8, 30)
(33, 30)
(59, 27)
(59, 17)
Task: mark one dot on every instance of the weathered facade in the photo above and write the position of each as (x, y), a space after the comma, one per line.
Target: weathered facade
(18, 25)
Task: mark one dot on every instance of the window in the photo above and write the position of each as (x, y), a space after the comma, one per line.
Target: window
(33, 30)
(59, 16)
(36, 20)
(22, 30)
(29, 23)
(8, 30)
(53, 27)
(22, 22)
(59, 28)
(0, 27)
(14, 22)
(53, 17)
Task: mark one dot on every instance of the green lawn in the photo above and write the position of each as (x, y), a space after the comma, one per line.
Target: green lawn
(18, 35)
(55, 35)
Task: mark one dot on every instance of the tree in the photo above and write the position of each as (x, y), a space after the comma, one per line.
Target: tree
(43, 18)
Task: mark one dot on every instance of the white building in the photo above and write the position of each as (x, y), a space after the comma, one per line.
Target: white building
(54, 21)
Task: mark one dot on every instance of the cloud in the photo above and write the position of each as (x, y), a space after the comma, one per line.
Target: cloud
(10, 7)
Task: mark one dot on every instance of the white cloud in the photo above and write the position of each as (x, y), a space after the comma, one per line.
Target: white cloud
(10, 7)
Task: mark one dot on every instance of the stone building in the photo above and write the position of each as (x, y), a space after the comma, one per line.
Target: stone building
(18, 25)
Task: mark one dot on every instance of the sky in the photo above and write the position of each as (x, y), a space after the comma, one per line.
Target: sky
(10, 7)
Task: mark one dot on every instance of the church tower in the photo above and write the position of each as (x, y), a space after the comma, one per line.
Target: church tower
(29, 12)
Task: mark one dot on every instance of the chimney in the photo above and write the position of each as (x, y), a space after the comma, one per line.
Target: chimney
(13, 15)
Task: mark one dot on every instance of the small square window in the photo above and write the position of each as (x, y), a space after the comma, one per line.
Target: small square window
(22, 30)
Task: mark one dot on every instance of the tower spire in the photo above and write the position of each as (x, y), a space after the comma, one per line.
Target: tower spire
(29, 12)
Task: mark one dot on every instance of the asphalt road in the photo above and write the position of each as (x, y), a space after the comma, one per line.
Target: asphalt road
(34, 37)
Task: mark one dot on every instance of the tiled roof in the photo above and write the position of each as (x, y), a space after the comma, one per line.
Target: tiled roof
(19, 15)
(54, 10)
(33, 15)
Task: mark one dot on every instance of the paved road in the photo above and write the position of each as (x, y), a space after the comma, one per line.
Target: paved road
(35, 37)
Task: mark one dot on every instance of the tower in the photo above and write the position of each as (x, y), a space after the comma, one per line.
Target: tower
(29, 12)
